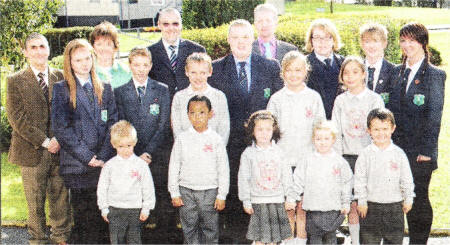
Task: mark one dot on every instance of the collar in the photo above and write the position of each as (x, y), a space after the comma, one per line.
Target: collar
(166, 45)
(83, 82)
(322, 58)
(377, 64)
(262, 149)
(137, 84)
(126, 159)
(248, 61)
(272, 42)
(290, 92)
(191, 91)
(358, 96)
(414, 68)
(375, 148)
(36, 72)
(192, 130)
(332, 153)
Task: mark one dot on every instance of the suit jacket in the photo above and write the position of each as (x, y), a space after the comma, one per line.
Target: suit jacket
(163, 72)
(82, 132)
(265, 81)
(29, 116)
(282, 48)
(385, 79)
(319, 77)
(418, 114)
(150, 118)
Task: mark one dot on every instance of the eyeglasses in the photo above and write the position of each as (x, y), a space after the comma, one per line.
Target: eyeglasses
(318, 38)
(167, 24)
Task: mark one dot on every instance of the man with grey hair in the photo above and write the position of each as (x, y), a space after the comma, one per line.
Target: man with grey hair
(266, 20)
(248, 80)
(33, 146)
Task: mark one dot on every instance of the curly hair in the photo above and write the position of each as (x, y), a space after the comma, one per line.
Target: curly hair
(261, 115)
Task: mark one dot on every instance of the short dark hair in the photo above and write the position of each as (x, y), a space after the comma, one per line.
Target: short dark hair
(261, 115)
(382, 114)
(199, 98)
(34, 35)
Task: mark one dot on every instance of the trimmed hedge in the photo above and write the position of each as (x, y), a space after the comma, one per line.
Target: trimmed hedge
(59, 37)
(213, 13)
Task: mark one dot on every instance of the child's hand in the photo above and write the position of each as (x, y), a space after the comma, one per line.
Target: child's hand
(249, 211)
(143, 217)
(290, 205)
(219, 205)
(406, 208)
(422, 158)
(105, 218)
(177, 202)
(362, 210)
(344, 211)
(146, 157)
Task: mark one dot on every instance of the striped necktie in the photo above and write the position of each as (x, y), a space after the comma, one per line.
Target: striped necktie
(243, 79)
(370, 78)
(43, 85)
(173, 57)
(141, 92)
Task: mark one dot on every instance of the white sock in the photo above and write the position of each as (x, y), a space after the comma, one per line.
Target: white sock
(354, 233)
(301, 241)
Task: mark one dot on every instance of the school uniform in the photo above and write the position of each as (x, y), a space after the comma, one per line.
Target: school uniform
(417, 103)
(83, 132)
(382, 80)
(325, 79)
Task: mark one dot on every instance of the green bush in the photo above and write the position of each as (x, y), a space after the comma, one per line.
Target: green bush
(57, 62)
(59, 37)
(213, 13)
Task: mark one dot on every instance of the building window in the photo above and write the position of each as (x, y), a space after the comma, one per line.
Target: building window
(132, 1)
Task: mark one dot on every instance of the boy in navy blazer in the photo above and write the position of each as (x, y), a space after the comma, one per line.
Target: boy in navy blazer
(170, 53)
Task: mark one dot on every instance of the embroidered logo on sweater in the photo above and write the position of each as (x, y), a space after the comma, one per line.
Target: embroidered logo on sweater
(208, 148)
(336, 171)
(268, 175)
(356, 126)
(308, 112)
(135, 174)
(394, 166)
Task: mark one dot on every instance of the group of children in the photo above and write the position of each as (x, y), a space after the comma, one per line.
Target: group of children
(299, 169)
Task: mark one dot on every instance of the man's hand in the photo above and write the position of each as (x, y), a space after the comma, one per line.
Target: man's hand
(143, 217)
(422, 158)
(219, 205)
(177, 202)
(96, 163)
(105, 218)
(146, 157)
(406, 208)
(53, 146)
(362, 210)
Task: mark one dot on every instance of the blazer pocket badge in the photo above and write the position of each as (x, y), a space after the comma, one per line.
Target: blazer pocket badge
(154, 109)
(385, 97)
(419, 99)
(104, 115)
(266, 93)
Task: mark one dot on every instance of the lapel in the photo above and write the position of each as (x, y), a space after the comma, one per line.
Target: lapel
(33, 85)
(130, 92)
(382, 78)
(183, 52)
(279, 50)
(319, 68)
(254, 70)
(82, 97)
(163, 55)
(413, 87)
(149, 94)
(231, 67)
(52, 79)
(255, 47)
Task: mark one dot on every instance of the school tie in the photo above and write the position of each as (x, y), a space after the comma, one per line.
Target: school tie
(328, 63)
(43, 85)
(370, 78)
(243, 80)
(173, 57)
(87, 87)
(141, 93)
(405, 80)
(267, 50)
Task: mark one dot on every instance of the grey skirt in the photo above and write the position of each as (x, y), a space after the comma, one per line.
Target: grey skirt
(269, 223)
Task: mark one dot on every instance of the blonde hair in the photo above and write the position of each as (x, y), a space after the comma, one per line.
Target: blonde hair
(139, 51)
(289, 58)
(325, 125)
(349, 59)
(199, 58)
(327, 26)
(105, 29)
(241, 22)
(121, 131)
(69, 74)
(375, 31)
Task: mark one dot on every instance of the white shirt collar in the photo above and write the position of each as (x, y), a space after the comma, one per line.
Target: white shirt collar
(414, 68)
(358, 96)
(329, 154)
(83, 82)
(191, 91)
(166, 46)
(137, 84)
(290, 92)
(377, 64)
(36, 72)
(192, 129)
(322, 58)
(263, 149)
(126, 159)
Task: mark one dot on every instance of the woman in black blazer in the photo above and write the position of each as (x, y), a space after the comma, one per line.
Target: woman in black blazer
(418, 99)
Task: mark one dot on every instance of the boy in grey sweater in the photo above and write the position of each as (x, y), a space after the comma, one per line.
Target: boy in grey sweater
(383, 183)
(199, 175)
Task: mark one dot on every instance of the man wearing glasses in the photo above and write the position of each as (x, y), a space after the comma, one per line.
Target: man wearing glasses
(170, 53)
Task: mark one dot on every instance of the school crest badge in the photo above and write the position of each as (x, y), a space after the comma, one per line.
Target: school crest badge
(266, 93)
(385, 97)
(154, 109)
(104, 115)
(419, 99)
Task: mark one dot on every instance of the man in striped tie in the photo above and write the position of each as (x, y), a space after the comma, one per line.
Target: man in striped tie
(33, 146)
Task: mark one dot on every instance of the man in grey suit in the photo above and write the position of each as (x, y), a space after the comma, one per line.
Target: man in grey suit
(266, 19)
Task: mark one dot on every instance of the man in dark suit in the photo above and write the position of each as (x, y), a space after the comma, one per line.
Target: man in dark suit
(170, 53)
(248, 80)
(145, 103)
(266, 18)
(33, 146)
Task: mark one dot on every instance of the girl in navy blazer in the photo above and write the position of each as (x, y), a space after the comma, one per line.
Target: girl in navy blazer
(418, 99)
(83, 110)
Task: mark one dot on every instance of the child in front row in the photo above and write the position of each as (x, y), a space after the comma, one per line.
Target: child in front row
(264, 180)
(383, 183)
(199, 175)
(349, 115)
(296, 107)
(125, 189)
(324, 179)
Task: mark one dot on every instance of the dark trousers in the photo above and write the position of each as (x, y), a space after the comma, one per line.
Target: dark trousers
(384, 221)
(420, 217)
(89, 227)
(124, 225)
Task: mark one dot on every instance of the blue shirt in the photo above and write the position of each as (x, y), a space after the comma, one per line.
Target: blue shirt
(248, 69)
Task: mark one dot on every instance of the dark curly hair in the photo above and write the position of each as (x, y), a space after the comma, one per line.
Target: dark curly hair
(261, 115)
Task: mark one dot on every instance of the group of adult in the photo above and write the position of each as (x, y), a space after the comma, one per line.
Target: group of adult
(42, 156)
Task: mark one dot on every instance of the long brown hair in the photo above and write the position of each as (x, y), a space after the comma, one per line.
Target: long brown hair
(69, 75)
(419, 33)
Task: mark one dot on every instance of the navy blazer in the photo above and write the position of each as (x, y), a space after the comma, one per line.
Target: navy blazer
(318, 76)
(265, 81)
(418, 114)
(385, 81)
(150, 118)
(82, 133)
(163, 72)
(282, 48)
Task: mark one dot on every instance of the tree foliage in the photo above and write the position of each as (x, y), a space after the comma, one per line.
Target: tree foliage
(19, 18)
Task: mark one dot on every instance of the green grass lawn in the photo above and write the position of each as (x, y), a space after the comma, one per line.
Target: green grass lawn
(127, 41)
(13, 201)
